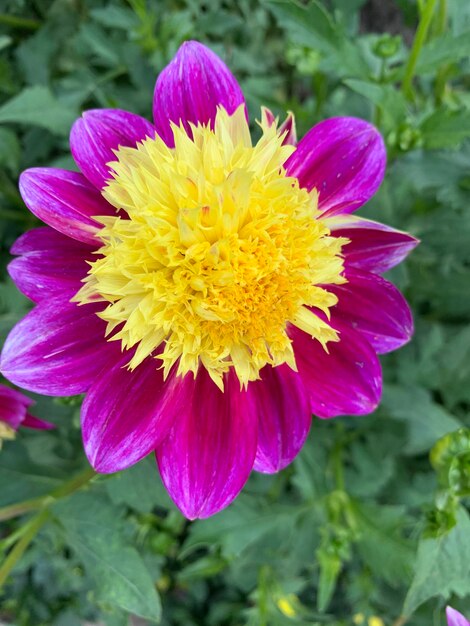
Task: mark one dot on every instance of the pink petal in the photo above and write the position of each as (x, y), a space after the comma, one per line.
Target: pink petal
(58, 349)
(13, 405)
(373, 246)
(287, 128)
(346, 381)
(50, 264)
(374, 307)
(284, 417)
(64, 200)
(126, 414)
(33, 422)
(454, 618)
(344, 159)
(209, 453)
(98, 133)
(191, 88)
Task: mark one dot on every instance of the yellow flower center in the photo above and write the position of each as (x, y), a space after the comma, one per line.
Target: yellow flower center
(221, 251)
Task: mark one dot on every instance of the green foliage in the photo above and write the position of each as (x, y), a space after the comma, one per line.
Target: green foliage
(372, 517)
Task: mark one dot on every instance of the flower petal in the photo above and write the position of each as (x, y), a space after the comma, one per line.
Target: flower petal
(374, 307)
(126, 414)
(13, 405)
(98, 133)
(33, 422)
(58, 349)
(344, 159)
(345, 381)
(454, 618)
(284, 417)
(373, 246)
(209, 453)
(64, 200)
(191, 88)
(49, 264)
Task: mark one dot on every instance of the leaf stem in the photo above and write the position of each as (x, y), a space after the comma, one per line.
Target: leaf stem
(19, 22)
(28, 531)
(420, 38)
(31, 529)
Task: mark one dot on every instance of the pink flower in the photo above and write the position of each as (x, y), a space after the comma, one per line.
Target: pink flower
(454, 618)
(225, 292)
(14, 413)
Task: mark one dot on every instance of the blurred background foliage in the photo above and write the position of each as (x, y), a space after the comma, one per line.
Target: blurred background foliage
(370, 525)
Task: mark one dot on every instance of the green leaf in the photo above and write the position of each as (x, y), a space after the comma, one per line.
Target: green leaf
(92, 527)
(445, 129)
(10, 150)
(390, 100)
(311, 25)
(139, 487)
(20, 477)
(442, 566)
(426, 420)
(37, 106)
(381, 543)
(444, 49)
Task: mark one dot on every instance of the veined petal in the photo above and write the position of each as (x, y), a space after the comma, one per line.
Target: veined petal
(345, 381)
(64, 200)
(209, 452)
(191, 88)
(284, 417)
(126, 414)
(373, 246)
(96, 136)
(49, 264)
(375, 308)
(58, 349)
(454, 618)
(344, 159)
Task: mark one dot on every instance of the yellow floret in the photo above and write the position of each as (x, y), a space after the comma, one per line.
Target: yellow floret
(221, 252)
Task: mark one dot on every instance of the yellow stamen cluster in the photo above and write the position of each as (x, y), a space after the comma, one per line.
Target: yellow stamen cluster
(6, 432)
(220, 252)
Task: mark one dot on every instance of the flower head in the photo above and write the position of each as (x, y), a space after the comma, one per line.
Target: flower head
(207, 292)
(14, 413)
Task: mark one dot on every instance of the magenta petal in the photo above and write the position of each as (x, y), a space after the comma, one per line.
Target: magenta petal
(191, 88)
(374, 307)
(50, 264)
(64, 200)
(284, 417)
(58, 349)
(373, 246)
(344, 159)
(33, 422)
(454, 618)
(126, 414)
(209, 453)
(98, 133)
(346, 381)
(13, 405)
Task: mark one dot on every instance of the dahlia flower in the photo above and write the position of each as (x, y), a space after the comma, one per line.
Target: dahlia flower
(206, 292)
(454, 618)
(14, 413)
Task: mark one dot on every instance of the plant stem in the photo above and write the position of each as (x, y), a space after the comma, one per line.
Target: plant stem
(441, 76)
(19, 22)
(31, 529)
(13, 510)
(7, 512)
(420, 38)
(27, 532)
